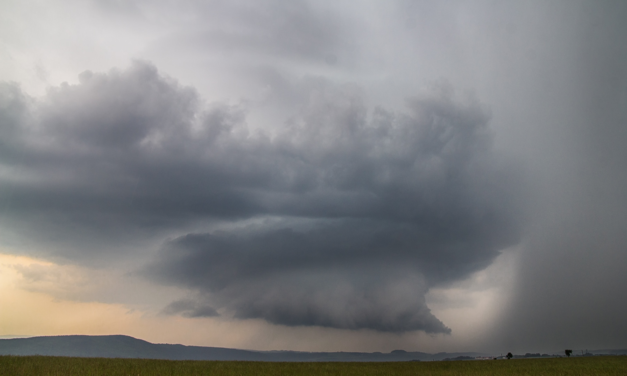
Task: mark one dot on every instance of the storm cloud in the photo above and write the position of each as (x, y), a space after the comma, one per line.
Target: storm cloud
(356, 211)
(300, 171)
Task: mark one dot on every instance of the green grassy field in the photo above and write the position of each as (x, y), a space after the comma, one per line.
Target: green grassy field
(42, 365)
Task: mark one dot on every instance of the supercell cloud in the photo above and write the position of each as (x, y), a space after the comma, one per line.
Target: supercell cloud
(348, 170)
(344, 215)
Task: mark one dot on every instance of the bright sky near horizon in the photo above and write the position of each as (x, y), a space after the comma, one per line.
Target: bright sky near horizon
(316, 175)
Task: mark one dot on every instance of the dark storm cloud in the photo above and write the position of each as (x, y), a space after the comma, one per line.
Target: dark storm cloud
(117, 153)
(393, 203)
(346, 274)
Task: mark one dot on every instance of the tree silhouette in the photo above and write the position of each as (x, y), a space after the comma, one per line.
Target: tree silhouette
(568, 352)
(509, 355)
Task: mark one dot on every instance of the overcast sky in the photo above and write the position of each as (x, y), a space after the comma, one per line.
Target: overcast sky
(313, 175)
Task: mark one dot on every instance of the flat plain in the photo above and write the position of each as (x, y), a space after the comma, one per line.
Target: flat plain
(53, 366)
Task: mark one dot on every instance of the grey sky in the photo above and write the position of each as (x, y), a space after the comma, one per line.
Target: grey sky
(327, 164)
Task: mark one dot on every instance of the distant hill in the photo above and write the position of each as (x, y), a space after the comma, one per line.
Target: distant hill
(609, 352)
(119, 346)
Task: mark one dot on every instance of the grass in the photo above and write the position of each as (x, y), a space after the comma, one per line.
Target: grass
(62, 366)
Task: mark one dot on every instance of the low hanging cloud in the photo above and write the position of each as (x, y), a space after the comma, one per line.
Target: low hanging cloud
(374, 206)
(350, 274)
